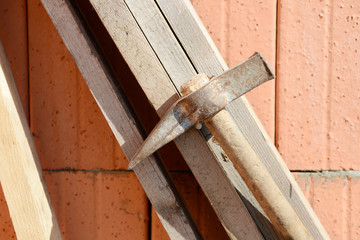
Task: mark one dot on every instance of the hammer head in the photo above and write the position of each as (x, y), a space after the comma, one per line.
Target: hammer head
(205, 102)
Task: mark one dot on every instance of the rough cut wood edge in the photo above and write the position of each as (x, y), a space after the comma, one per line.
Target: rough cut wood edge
(154, 81)
(21, 176)
(180, 69)
(151, 174)
(205, 57)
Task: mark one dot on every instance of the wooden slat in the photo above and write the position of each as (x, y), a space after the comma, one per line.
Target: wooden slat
(150, 74)
(180, 69)
(204, 56)
(13, 16)
(20, 172)
(206, 219)
(151, 174)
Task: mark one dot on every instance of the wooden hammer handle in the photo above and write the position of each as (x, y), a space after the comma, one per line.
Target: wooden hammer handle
(251, 169)
(256, 176)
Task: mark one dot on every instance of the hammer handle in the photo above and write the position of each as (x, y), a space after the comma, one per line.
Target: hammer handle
(256, 176)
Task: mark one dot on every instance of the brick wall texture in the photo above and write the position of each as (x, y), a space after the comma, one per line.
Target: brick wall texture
(311, 111)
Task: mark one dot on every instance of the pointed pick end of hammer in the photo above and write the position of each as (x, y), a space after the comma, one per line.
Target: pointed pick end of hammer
(149, 146)
(197, 106)
(134, 162)
(165, 131)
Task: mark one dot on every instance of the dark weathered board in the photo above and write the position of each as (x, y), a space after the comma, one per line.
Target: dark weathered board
(151, 173)
(180, 69)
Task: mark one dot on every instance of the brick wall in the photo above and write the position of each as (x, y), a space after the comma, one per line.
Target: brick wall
(313, 110)
(312, 113)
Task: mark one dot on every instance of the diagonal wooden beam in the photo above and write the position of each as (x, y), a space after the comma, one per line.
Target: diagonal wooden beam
(142, 60)
(205, 57)
(21, 176)
(179, 68)
(202, 54)
(151, 174)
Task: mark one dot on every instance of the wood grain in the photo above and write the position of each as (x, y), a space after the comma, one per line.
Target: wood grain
(151, 174)
(256, 177)
(199, 207)
(150, 74)
(13, 16)
(20, 172)
(173, 58)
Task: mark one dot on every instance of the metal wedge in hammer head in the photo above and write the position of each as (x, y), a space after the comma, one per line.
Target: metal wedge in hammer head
(205, 102)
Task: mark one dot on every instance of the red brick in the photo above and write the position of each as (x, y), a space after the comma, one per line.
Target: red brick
(318, 120)
(199, 208)
(239, 28)
(334, 197)
(91, 205)
(6, 227)
(69, 128)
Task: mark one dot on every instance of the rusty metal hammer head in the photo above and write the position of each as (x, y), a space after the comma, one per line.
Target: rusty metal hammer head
(205, 103)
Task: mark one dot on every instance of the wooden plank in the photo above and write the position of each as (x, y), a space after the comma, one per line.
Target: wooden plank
(13, 16)
(151, 174)
(205, 57)
(199, 206)
(174, 59)
(20, 172)
(150, 74)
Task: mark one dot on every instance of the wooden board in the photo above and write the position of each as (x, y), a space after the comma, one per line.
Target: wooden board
(151, 174)
(205, 57)
(180, 69)
(155, 82)
(199, 206)
(20, 172)
(13, 16)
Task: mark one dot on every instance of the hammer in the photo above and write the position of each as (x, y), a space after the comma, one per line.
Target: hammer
(205, 100)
